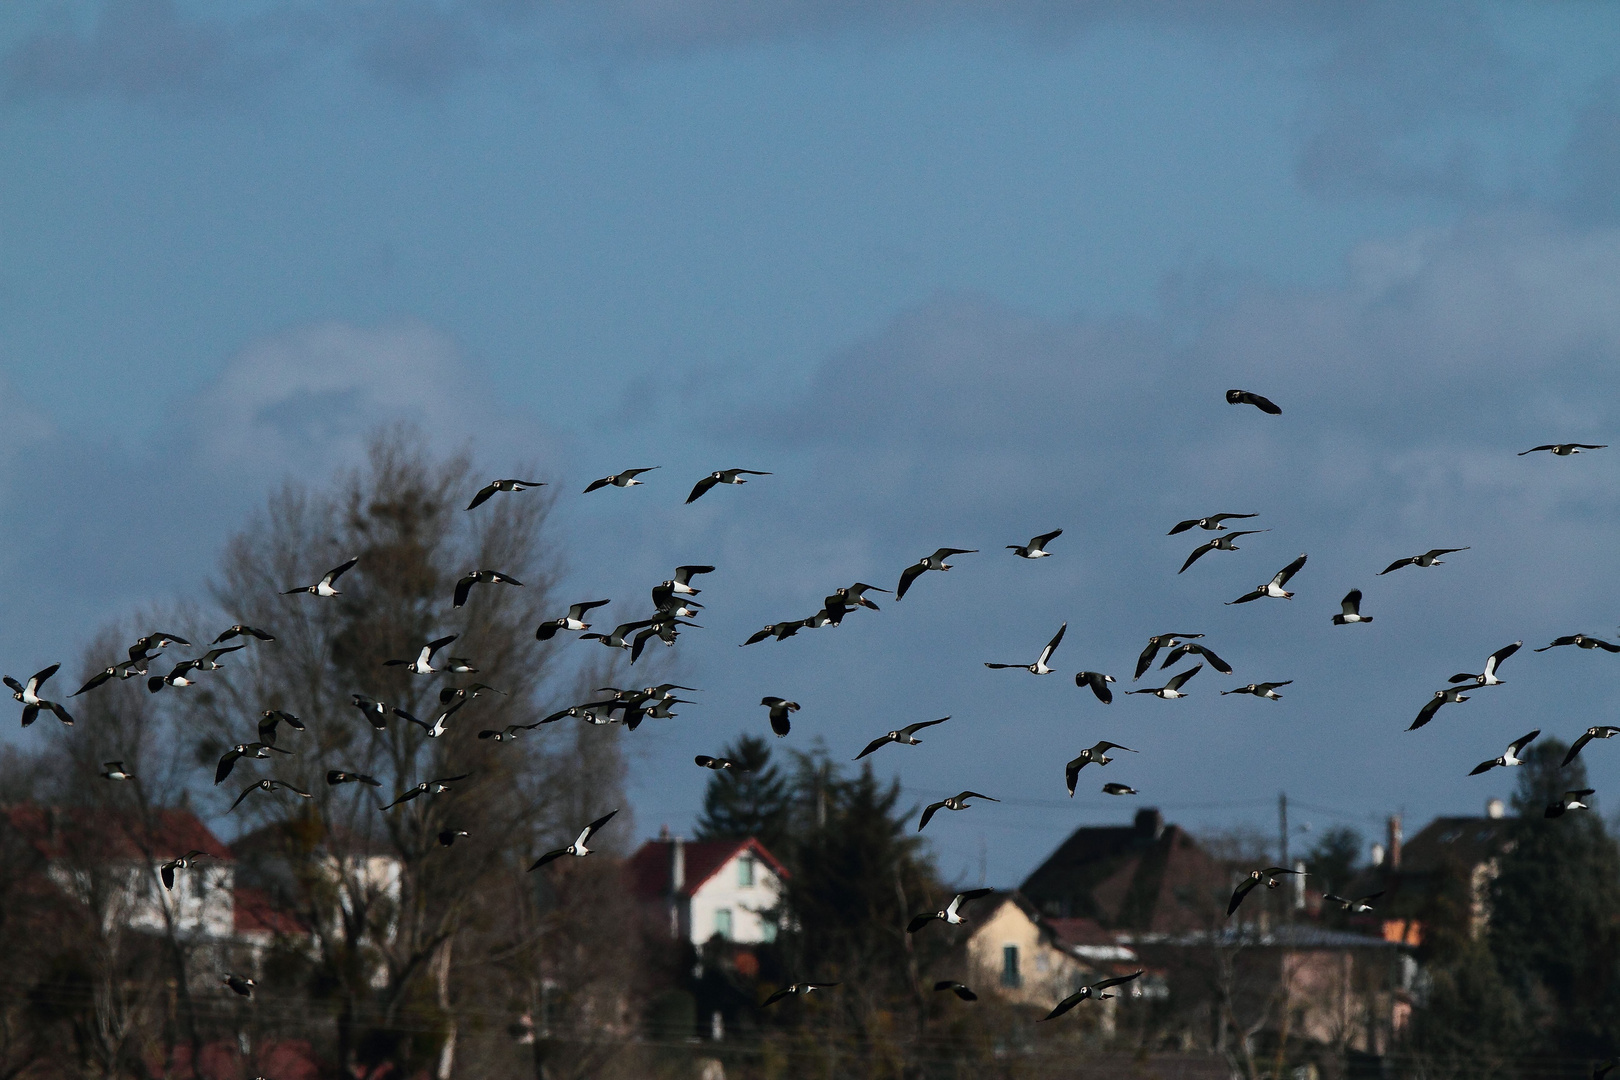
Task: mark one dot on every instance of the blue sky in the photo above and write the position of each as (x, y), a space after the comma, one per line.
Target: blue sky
(956, 273)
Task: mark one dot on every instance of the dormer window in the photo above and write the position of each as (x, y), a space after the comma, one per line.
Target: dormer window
(745, 871)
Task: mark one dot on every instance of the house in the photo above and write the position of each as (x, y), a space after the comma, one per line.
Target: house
(701, 889)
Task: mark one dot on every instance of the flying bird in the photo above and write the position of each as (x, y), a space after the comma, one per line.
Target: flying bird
(240, 984)
(1274, 587)
(1244, 397)
(1441, 697)
(1270, 875)
(1583, 641)
(335, 777)
(906, 735)
(324, 587)
(1510, 757)
(959, 989)
(481, 577)
(842, 601)
(257, 751)
(952, 912)
(627, 478)
(719, 763)
(114, 770)
(157, 640)
(1428, 558)
(126, 670)
(1171, 690)
(28, 694)
(578, 846)
(267, 785)
(721, 476)
(1155, 643)
(953, 802)
(796, 988)
(1564, 449)
(781, 723)
(1359, 905)
(489, 489)
(439, 724)
(447, 694)
(1211, 523)
(183, 862)
(423, 664)
(574, 620)
(1095, 990)
(243, 630)
(507, 733)
(681, 581)
(1572, 800)
(936, 561)
(376, 711)
(1350, 610)
(1119, 789)
(1036, 548)
(1220, 543)
(1603, 731)
(1263, 689)
(780, 631)
(448, 836)
(1040, 666)
(1098, 683)
(427, 787)
(1488, 676)
(270, 718)
(1188, 648)
(1092, 755)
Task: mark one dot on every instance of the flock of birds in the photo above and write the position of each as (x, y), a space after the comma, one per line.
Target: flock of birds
(674, 605)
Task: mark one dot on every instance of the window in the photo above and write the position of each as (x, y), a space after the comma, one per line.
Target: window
(1009, 966)
(722, 923)
(745, 871)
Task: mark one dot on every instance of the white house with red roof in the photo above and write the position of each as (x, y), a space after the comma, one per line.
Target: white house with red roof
(702, 889)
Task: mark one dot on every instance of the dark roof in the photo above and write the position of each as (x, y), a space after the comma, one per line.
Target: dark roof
(1142, 876)
(88, 833)
(649, 867)
(1452, 840)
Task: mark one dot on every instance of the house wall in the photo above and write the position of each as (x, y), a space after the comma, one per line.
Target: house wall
(201, 901)
(1046, 974)
(722, 892)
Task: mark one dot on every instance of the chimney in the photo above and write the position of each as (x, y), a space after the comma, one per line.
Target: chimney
(1495, 808)
(677, 866)
(1298, 884)
(1378, 854)
(1149, 822)
(1395, 838)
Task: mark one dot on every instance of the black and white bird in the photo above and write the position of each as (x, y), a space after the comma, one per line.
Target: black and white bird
(146, 646)
(578, 847)
(952, 913)
(1094, 990)
(627, 478)
(439, 724)
(1581, 641)
(936, 561)
(1565, 449)
(795, 989)
(209, 661)
(906, 735)
(180, 674)
(507, 733)
(778, 630)
(1441, 697)
(239, 984)
(1488, 676)
(270, 719)
(1274, 587)
(1171, 690)
(1211, 523)
(268, 785)
(719, 764)
(1220, 543)
(1155, 643)
(114, 770)
(1245, 397)
(681, 580)
(327, 585)
(1119, 789)
(952, 802)
(1260, 689)
(842, 601)
(1191, 648)
(721, 476)
(1092, 755)
(489, 489)
(257, 751)
(619, 636)
(423, 664)
(1572, 800)
(1036, 548)
(1350, 610)
(376, 712)
(1271, 875)
(334, 777)
(574, 620)
(427, 787)
(1510, 757)
(183, 862)
(781, 723)
(1360, 905)
(126, 670)
(1040, 666)
(243, 630)
(447, 694)
(1602, 731)
(1428, 558)
(448, 837)
(1098, 683)
(28, 694)
(480, 577)
(667, 602)
(961, 990)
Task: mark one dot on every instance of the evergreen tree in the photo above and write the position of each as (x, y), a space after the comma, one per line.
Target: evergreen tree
(756, 802)
(1331, 863)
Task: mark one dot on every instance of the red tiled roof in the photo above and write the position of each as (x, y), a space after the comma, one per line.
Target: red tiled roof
(648, 868)
(256, 914)
(1077, 931)
(82, 832)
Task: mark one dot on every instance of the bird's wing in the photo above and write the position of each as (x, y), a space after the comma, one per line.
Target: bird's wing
(1524, 740)
(1145, 661)
(1288, 571)
(945, 553)
(1239, 893)
(1586, 737)
(39, 678)
(1604, 645)
(1484, 766)
(594, 484)
(1533, 449)
(1071, 773)
(1435, 553)
(548, 857)
(1197, 553)
(1426, 713)
(875, 744)
(1182, 526)
(1351, 604)
(463, 587)
(1496, 658)
(213, 655)
(239, 798)
(685, 574)
(226, 764)
(975, 795)
(439, 643)
(1051, 646)
(331, 576)
(1099, 687)
(786, 991)
(1567, 640)
(756, 637)
(1106, 983)
(95, 681)
(483, 496)
(577, 611)
(1065, 1005)
(970, 895)
(1046, 538)
(166, 871)
(403, 715)
(590, 829)
(1180, 678)
(1246, 597)
(1214, 661)
(920, 921)
(1105, 746)
(912, 729)
(1396, 565)
(1265, 405)
(701, 487)
(928, 815)
(907, 576)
